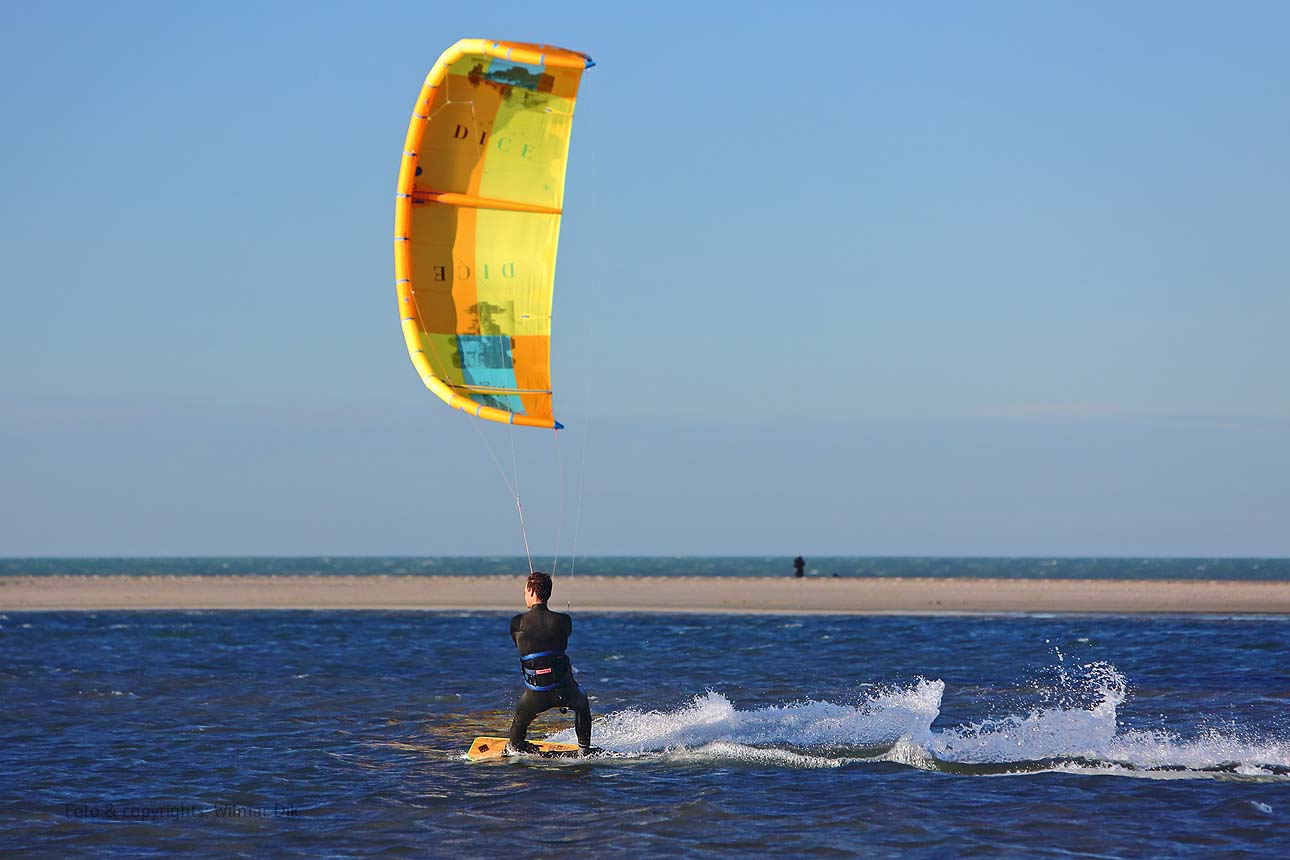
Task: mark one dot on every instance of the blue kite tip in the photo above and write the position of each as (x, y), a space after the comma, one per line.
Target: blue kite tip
(559, 426)
(590, 62)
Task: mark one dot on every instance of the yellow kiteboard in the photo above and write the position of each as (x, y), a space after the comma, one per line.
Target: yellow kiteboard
(489, 748)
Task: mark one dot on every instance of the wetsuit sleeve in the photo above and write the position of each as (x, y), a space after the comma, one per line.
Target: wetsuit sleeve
(515, 628)
(568, 627)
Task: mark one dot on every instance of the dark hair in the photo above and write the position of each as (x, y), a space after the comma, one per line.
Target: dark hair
(540, 584)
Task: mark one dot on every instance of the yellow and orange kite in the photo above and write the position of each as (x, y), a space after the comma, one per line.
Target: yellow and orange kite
(477, 222)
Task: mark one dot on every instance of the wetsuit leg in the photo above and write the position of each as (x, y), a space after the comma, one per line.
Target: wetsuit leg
(573, 697)
(582, 721)
(531, 704)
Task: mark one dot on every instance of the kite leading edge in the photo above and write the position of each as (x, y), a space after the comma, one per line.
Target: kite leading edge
(477, 223)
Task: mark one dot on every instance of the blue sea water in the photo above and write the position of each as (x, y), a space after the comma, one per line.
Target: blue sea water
(827, 566)
(341, 734)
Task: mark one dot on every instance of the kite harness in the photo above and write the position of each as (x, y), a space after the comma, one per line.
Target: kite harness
(544, 670)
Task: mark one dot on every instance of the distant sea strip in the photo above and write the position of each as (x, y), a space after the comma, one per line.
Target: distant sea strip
(1266, 569)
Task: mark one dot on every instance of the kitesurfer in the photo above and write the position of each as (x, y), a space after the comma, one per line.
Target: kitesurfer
(799, 566)
(542, 637)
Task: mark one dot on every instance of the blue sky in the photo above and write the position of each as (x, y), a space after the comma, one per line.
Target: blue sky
(834, 278)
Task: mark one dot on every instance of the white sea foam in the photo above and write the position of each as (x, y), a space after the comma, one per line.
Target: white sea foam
(1075, 731)
(1042, 733)
(752, 755)
(711, 718)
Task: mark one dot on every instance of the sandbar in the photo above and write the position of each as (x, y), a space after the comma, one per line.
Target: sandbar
(766, 595)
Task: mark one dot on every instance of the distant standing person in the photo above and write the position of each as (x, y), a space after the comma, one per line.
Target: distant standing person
(799, 566)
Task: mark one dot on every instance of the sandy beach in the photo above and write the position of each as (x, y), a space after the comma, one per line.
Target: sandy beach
(647, 594)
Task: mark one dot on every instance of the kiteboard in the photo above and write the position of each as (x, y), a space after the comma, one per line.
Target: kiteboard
(484, 749)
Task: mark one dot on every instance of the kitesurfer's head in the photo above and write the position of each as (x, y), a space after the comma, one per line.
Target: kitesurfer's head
(537, 589)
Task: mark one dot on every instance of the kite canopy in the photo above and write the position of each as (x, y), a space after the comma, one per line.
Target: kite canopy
(477, 221)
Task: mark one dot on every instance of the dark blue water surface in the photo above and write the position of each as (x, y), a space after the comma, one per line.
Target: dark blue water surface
(631, 565)
(341, 734)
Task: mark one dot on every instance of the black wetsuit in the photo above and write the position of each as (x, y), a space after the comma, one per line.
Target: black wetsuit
(536, 631)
